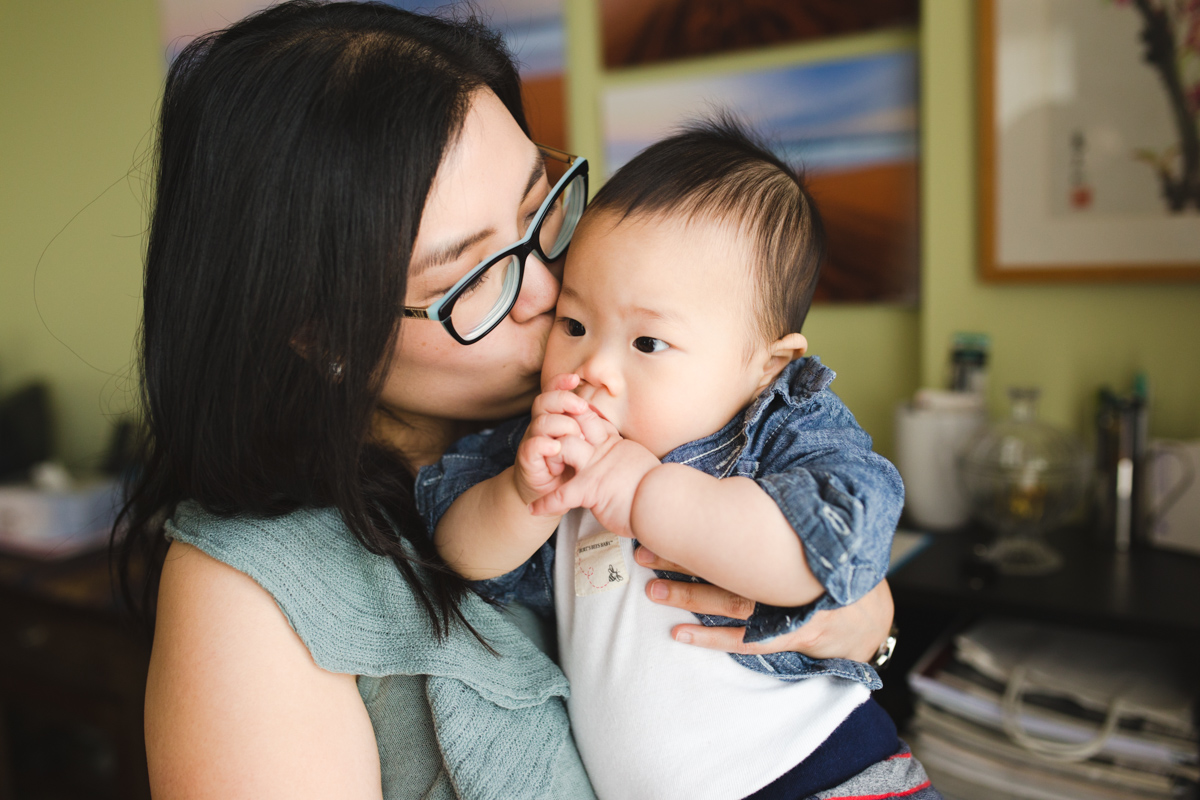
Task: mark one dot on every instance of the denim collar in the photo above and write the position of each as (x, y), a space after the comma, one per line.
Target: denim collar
(717, 453)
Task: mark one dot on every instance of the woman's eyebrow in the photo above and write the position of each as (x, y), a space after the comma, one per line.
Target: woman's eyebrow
(535, 174)
(450, 251)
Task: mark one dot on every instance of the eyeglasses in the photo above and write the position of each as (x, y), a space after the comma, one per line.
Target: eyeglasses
(482, 298)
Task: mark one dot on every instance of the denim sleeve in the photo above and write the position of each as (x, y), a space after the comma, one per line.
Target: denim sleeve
(842, 499)
(472, 460)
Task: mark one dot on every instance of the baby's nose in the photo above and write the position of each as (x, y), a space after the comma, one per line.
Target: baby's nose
(601, 371)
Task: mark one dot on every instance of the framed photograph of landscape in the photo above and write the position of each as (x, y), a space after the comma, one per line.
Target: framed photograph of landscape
(1089, 157)
(849, 123)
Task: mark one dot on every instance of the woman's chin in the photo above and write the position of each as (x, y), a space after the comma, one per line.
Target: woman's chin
(511, 406)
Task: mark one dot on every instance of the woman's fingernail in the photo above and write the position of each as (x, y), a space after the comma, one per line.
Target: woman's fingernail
(684, 637)
(643, 555)
(658, 590)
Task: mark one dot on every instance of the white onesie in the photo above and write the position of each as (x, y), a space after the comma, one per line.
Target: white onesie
(655, 719)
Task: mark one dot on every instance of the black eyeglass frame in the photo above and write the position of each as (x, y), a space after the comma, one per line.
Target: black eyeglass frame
(442, 309)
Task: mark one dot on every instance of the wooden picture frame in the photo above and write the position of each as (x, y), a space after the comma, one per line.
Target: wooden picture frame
(1039, 217)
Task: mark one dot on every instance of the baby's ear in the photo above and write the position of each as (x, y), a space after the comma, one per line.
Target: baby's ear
(779, 354)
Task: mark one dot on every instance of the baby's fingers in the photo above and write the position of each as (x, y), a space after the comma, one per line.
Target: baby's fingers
(570, 495)
(555, 426)
(576, 453)
(559, 401)
(565, 382)
(596, 429)
(536, 453)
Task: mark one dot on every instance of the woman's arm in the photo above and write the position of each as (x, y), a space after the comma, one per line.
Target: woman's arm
(853, 632)
(235, 705)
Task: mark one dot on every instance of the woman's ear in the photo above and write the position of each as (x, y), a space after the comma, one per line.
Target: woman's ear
(779, 354)
(303, 344)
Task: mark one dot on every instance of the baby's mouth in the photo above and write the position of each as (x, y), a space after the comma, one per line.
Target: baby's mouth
(600, 414)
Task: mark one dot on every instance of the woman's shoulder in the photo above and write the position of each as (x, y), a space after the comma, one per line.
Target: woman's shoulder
(355, 611)
(355, 614)
(221, 695)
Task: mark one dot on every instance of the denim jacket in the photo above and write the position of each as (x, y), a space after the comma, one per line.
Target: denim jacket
(801, 444)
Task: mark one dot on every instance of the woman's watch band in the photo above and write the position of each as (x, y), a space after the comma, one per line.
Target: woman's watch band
(884, 654)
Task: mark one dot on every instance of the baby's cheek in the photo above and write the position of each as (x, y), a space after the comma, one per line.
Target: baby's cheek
(663, 428)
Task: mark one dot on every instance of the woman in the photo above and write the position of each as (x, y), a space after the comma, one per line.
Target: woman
(320, 167)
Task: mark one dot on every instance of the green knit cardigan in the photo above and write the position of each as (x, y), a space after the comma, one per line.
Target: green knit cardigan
(451, 720)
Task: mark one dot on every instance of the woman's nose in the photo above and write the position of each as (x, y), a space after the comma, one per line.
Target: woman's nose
(539, 291)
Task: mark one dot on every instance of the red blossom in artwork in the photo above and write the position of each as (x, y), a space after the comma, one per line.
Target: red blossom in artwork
(1193, 98)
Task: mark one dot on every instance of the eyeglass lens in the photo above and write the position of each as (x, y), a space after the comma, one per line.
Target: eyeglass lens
(561, 218)
(487, 299)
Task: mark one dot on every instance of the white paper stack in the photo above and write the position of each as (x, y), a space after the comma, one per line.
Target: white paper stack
(1012, 711)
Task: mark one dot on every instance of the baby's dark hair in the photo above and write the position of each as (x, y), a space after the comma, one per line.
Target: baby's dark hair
(716, 170)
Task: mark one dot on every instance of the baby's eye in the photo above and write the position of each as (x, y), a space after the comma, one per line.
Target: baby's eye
(648, 344)
(574, 327)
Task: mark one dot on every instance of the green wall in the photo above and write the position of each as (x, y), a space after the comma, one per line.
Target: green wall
(78, 85)
(1069, 339)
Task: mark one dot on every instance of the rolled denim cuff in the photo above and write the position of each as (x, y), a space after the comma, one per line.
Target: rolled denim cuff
(472, 459)
(791, 666)
(830, 523)
(439, 485)
(768, 621)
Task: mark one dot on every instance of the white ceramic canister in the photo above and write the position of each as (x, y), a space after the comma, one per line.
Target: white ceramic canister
(931, 433)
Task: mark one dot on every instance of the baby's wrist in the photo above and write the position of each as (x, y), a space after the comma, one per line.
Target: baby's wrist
(521, 488)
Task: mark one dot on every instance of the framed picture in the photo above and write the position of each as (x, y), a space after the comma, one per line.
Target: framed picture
(532, 29)
(651, 31)
(849, 123)
(1089, 156)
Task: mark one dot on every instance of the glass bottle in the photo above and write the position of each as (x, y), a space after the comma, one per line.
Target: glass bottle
(1024, 479)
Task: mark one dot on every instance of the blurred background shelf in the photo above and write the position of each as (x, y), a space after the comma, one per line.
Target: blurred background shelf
(72, 680)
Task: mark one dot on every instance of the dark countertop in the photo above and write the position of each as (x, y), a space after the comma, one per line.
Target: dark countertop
(1146, 592)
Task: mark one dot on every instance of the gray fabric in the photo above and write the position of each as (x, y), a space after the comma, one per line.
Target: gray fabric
(451, 720)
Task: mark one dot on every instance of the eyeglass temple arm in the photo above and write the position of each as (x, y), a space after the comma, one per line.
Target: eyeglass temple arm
(558, 155)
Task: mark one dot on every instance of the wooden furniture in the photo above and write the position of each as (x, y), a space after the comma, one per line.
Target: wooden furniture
(72, 681)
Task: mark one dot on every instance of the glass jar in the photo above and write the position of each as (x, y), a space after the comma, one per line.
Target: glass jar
(1024, 478)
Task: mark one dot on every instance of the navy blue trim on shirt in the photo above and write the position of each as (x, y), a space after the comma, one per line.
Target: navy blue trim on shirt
(866, 736)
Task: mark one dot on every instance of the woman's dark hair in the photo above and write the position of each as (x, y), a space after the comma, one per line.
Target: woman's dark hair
(295, 152)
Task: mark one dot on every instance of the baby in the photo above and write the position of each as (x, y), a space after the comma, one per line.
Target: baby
(678, 409)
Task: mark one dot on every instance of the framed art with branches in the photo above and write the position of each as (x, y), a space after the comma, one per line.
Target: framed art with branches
(1089, 156)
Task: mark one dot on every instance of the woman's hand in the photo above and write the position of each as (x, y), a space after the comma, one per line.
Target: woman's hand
(854, 632)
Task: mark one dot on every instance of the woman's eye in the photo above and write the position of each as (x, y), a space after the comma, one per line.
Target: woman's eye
(574, 327)
(476, 284)
(648, 344)
(527, 221)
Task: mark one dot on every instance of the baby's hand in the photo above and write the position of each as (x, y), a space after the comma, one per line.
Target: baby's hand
(605, 483)
(560, 429)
